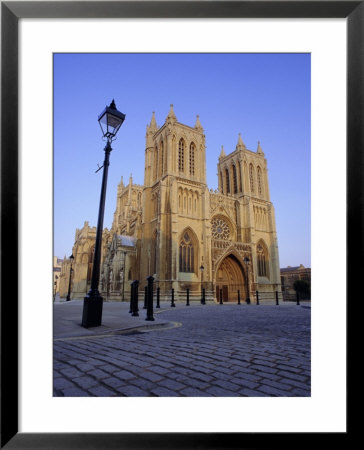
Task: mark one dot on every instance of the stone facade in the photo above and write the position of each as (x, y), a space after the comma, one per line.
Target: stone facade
(182, 233)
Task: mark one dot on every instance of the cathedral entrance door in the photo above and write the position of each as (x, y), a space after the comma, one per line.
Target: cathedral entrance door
(230, 278)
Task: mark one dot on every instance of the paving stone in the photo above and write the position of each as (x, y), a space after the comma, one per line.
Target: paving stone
(293, 376)
(163, 392)
(132, 391)
(74, 392)
(219, 392)
(85, 381)
(151, 376)
(71, 372)
(62, 383)
(269, 390)
(192, 392)
(98, 374)
(171, 384)
(113, 382)
(281, 386)
(159, 370)
(300, 392)
(124, 375)
(101, 391)
(85, 366)
(246, 392)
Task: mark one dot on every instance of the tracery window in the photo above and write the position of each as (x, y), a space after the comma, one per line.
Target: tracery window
(259, 178)
(235, 181)
(192, 159)
(181, 155)
(262, 258)
(227, 181)
(241, 187)
(251, 178)
(161, 159)
(220, 229)
(186, 254)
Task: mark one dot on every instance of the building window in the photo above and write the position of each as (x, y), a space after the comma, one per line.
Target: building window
(262, 259)
(259, 177)
(235, 181)
(240, 184)
(221, 183)
(220, 229)
(227, 181)
(181, 156)
(161, 159)
(186, 254)
(192, 159)
(251, 178)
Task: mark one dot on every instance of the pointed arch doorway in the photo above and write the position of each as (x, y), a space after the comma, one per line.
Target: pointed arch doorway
(230, 278)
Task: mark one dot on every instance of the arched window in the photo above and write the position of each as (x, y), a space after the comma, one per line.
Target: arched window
(251, 178)
(161, 159)
(186, 254)
(227, 181)
(221, 183)
(192, 159)
(259, 179)
(240, 183)
(235, 181)
(155, 168)
(181, 156)
(262, 258)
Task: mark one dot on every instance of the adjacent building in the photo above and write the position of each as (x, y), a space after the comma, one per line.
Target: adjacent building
(288, 276)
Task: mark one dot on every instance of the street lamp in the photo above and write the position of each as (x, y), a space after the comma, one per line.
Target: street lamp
(68, 298)
(110, 121)
(202, 292)
(247, 262)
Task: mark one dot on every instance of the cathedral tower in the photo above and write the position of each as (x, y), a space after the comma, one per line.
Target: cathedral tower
(175, 199)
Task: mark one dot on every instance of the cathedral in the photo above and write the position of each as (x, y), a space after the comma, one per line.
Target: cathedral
(182, 233)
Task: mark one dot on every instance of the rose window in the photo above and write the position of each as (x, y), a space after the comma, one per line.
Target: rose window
(220, 229)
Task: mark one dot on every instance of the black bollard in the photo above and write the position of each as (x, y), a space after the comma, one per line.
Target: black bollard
(134, 305)
(145, 297)
(203, 297)
(150, 299)
(277, 298)
(158, 297)
(238, 297)
(131, 297)
(257, 297)
(188, 297)
(298, 297)
(221, 297)
(172, 301)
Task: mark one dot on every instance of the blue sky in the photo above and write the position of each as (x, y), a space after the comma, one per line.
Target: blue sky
(265, 97)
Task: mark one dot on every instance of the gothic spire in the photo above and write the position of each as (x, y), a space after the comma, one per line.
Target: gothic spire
(259, 149)
(240, 145)
(222, 153)
(198, 125)
(153, 124)
(171, 118)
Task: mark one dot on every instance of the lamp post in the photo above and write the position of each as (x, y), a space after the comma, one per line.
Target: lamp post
(68, 298)
(110, 121)
(247, 263)
(202, 293)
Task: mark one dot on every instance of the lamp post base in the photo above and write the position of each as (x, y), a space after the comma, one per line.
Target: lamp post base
(92, 311)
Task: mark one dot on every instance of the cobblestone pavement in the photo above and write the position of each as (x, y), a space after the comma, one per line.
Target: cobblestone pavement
(213, 350)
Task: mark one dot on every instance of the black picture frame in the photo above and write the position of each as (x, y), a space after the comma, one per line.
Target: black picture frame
(11, 12)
